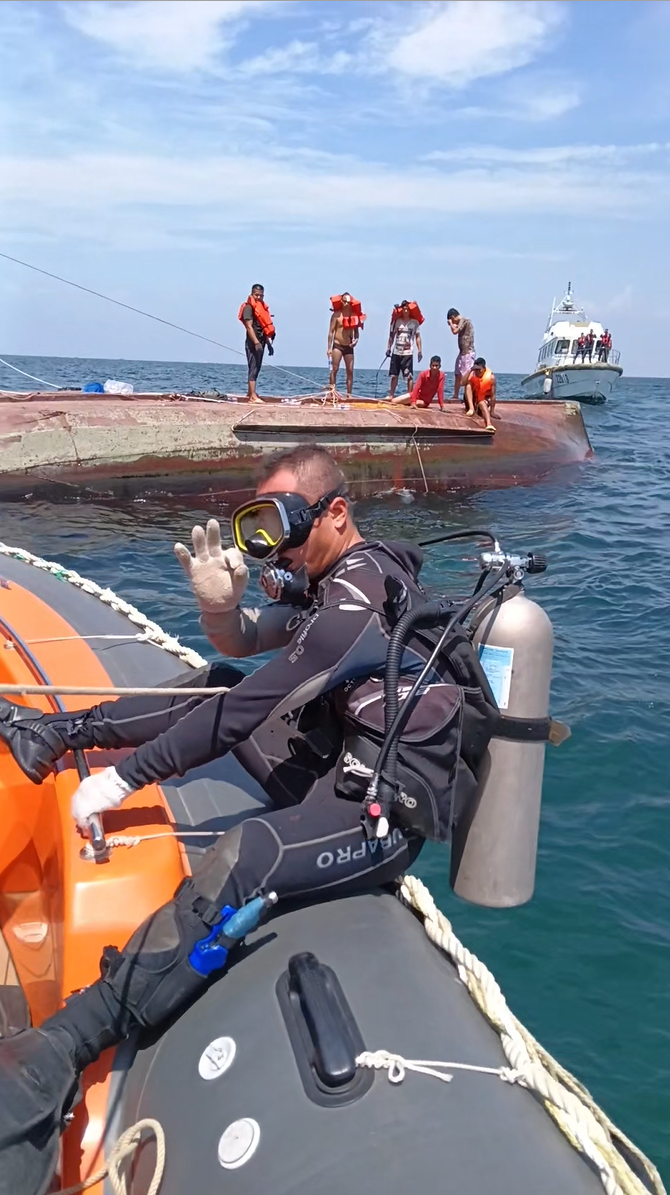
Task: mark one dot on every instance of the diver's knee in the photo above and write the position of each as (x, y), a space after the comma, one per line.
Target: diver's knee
(152, 976)
(218, 864)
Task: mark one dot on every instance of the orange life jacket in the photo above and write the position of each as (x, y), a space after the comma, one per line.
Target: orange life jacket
(356, 319)
(414, 313)
(261, 315)
(481, 386)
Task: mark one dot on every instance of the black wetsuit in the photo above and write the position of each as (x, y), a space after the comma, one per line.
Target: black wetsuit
(313, 839)
(310, 843)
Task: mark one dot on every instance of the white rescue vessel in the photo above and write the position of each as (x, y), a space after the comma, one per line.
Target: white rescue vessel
(566, 367)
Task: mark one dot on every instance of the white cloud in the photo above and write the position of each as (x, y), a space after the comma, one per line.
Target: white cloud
(172, 35)
(548, 104)
(117, 197)
(553, 155)
(463, 40)
(296, 59)
(621, 302)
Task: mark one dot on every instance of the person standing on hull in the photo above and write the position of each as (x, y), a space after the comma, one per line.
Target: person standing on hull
(480, 393)
(463, 328)
(255, 315)
(346, 322)
(330, 624)
(404, 331)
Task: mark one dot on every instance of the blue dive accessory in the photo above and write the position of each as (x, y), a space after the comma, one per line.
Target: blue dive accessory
(211, 953)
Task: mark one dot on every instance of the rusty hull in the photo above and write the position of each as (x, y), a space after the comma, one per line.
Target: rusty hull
(154, 443)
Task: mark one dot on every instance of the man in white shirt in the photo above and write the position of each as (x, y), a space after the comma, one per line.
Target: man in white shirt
(403, 333)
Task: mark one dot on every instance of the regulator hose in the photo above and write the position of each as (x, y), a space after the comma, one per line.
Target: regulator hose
(384, 780)
(429, 614)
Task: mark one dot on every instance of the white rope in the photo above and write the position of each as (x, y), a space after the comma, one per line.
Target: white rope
(154, 634)
(113, 840)
(27, 375)
(124, 1149)
(140, 637)
(423, 472)
(111, 691)
(397, 1066)
(573, 1108)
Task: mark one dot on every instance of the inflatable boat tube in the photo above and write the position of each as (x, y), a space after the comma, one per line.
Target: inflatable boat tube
(255, 1085)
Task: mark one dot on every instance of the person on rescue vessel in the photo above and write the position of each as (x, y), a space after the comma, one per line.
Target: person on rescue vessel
(255, 315)
(404, 331)
(463, 328)
(284, 722)
(480, 393)
(346, 322)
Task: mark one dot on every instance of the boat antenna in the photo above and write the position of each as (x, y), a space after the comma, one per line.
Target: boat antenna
(158, 319)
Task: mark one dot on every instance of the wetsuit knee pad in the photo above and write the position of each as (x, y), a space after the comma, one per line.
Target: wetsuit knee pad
(152, 976)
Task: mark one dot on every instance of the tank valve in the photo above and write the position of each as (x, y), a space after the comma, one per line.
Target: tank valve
(532, 562)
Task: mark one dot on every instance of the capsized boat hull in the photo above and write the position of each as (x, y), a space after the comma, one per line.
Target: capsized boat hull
(476, 1135)
(173, 443)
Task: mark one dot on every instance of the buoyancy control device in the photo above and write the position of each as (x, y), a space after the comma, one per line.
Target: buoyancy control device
(457, 753)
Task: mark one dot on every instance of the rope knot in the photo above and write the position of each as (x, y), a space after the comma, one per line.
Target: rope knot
(382, 1060)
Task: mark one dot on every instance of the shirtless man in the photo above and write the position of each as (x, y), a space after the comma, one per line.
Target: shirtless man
(342, 341)
(462, 327)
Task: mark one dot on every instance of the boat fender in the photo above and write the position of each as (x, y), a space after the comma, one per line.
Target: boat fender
(494, 846)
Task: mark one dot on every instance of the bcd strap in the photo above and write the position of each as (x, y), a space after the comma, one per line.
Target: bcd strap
(531, 730)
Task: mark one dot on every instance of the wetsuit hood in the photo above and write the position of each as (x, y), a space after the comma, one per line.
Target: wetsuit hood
(410, 555)
(405, 553)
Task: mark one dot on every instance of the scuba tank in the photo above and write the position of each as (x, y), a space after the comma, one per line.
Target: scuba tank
(494, 833)
(494, 845)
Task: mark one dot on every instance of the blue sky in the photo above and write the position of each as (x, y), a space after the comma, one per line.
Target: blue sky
(474, 153)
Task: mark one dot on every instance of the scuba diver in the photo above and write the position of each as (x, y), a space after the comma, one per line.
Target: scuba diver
(297, 724)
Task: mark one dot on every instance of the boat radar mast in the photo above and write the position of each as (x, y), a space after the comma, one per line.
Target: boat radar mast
(566, 307)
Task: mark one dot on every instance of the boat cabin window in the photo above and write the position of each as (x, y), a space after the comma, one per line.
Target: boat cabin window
(562, 346)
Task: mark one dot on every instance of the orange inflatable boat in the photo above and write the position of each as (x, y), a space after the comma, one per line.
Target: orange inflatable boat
(270, 1081)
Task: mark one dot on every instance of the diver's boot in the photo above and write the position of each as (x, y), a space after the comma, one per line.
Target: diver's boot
(142, 986)
(38, 1086)
(37, 741)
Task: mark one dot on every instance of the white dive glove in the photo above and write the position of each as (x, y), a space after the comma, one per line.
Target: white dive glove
(218, 576)
(96, 794)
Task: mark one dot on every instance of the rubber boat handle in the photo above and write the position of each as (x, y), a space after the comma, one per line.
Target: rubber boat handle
(320, 999)
(96, 834)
